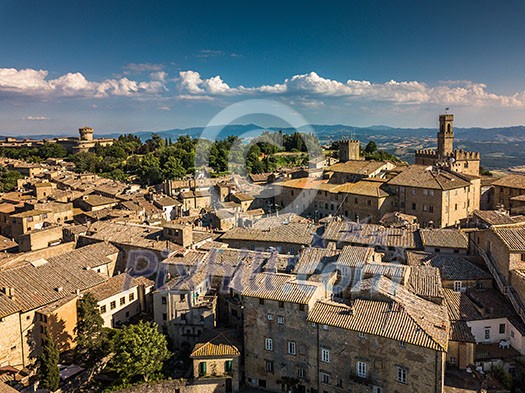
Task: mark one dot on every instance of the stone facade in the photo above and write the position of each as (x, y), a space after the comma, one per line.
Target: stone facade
(455, 160)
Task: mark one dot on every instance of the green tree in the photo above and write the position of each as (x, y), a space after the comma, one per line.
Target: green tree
(52, 150)
(371, 147)
(140, 351)
(89, 330)
(8, 180)
(173, 168)
(48, 374)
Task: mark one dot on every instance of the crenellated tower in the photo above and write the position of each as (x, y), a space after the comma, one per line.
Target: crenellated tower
(445, 156)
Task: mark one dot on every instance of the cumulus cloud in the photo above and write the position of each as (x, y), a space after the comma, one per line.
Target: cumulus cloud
(31, 82)
(311, 88)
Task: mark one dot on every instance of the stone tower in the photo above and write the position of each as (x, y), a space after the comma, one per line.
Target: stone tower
(445, 136)
(349, 150)
(86, 134)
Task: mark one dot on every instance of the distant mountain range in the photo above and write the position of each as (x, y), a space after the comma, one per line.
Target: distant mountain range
(500, 147)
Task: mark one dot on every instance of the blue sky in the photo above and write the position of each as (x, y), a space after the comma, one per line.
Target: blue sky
(153, 65)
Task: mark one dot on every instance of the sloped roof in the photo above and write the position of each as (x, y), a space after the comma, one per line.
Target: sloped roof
(455, 267)
(430, 317)
(379, 318)
(118, 284)
(445, 238)
(512, 181)
(420, 176)
(359, 167)
(293, 233)
(425, 281)
(371, 234)
(218, 346)
(512, 238)
(280, 287)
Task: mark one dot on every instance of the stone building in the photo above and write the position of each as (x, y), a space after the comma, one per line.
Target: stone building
(446, 156)
(85, 141)
(296, 338)
(349, 150)
(218, 359)
(508, 192)
(437, 197)
(123, 297)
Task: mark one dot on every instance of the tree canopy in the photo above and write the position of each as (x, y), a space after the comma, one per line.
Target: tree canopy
(140, 351)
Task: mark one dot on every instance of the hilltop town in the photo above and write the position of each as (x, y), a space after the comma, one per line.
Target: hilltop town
(342, 273)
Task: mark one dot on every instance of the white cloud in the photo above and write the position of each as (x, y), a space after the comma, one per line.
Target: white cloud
(35, 83)
(315, 88)
(164, 108)
(308, 90)
(142, 67)
(36, 118)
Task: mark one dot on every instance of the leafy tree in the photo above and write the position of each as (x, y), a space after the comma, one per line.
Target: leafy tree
(8, 180)
(371, 147)
(52, 150)
(86, 161)
(140, 351)
(89, 330)
(173, 168)
(149, 171)
(48, 373)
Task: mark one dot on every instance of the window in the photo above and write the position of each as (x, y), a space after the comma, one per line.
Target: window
(325, 355)
(262, 383)
(402, 344)
(361, 369)
(453, 360)
(301, 307)
(291, 348)
(268, 344)
(131, 297)
(280, 320)
(369, 202)
(501, 328)
(339, 383)
(324, 327)
(261, 301)
(301, 372)
(455, 206)
(269, 366)
(163, 300)
(202, 368)
(361, 335)
(281, 304)
(487, 333)
(457, 286)
(228, 366)
(325, 378)
(437, 249)
(377, 389)
(122, 300)
(182, 297)
(431, 209)
(103, 309)
(401, 374)
(413, 206)
(164, 317)
(113, 305)
(270, 317)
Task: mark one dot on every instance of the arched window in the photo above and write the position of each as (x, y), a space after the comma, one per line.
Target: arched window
(449, 128)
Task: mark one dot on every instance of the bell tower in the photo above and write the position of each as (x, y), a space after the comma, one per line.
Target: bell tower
(445, 136)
